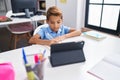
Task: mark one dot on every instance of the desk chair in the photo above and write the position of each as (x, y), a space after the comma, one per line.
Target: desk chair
(19, 31)
(38, 28)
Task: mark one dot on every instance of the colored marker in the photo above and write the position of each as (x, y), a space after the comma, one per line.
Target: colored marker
(30, 73)
(24, 56)
(41, 57)
(36, 59)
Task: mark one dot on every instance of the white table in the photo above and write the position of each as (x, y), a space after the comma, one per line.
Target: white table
(20, 20)
(94, 51)
(33, 19)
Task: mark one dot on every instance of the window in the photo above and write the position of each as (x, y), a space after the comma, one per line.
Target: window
(103, 15)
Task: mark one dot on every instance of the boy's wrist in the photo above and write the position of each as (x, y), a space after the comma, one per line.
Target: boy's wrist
(65, 36)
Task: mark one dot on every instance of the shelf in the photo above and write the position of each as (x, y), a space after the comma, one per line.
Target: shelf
(41, 5)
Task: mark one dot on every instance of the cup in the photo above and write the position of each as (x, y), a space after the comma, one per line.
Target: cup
(30, 73)
(39, 70)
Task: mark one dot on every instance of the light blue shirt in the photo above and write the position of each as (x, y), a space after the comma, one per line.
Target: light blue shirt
(45, 32)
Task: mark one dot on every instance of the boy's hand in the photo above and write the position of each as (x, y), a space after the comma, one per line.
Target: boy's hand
(52, 42)
(57, 40)
(60, 38)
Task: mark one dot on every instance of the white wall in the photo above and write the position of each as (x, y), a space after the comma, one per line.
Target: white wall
(8, 4)
(81, 13)
(73, 11)
(69, 12)
(50, 3)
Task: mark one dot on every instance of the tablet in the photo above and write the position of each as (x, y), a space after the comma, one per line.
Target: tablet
(67, 53)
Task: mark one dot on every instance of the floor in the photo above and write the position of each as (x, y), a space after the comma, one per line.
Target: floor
(5, 40)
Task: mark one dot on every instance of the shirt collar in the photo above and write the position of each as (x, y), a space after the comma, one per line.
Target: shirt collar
(59, 31)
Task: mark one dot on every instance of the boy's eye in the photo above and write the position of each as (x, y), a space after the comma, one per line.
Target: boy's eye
(52, 22)
(55, 22)
(58, 22)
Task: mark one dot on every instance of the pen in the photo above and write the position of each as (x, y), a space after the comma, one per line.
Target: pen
(24, 56)
(44, 52)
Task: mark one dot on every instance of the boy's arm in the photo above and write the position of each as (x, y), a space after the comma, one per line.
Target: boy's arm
(36, 40)
(72, 33)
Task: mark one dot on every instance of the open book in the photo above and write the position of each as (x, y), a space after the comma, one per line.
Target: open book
(108, 68)
(94, 35)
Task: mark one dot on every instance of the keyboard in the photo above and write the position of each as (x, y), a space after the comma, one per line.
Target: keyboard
(39, 13)
(20, 16)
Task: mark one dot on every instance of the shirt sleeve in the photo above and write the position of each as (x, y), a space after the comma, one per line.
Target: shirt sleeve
(41, 33)
(42, 30)
(66, 29)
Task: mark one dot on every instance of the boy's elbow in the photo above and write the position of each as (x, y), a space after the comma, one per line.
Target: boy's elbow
(31, 41)
(78, 32)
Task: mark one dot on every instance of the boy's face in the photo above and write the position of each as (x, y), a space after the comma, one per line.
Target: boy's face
(54, 22)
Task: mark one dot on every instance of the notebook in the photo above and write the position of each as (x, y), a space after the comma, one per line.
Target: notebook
(67, 53)
(108, 68)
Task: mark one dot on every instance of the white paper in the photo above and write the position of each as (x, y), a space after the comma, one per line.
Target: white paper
(108, 68)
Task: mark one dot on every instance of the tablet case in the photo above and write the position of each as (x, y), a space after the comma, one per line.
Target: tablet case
(67, 53)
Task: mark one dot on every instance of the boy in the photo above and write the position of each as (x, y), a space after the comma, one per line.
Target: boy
(53, 32)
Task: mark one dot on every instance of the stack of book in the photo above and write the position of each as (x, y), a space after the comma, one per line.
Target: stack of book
(94, 35)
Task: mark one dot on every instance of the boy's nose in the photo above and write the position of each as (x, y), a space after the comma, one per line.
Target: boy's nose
(55, 25)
